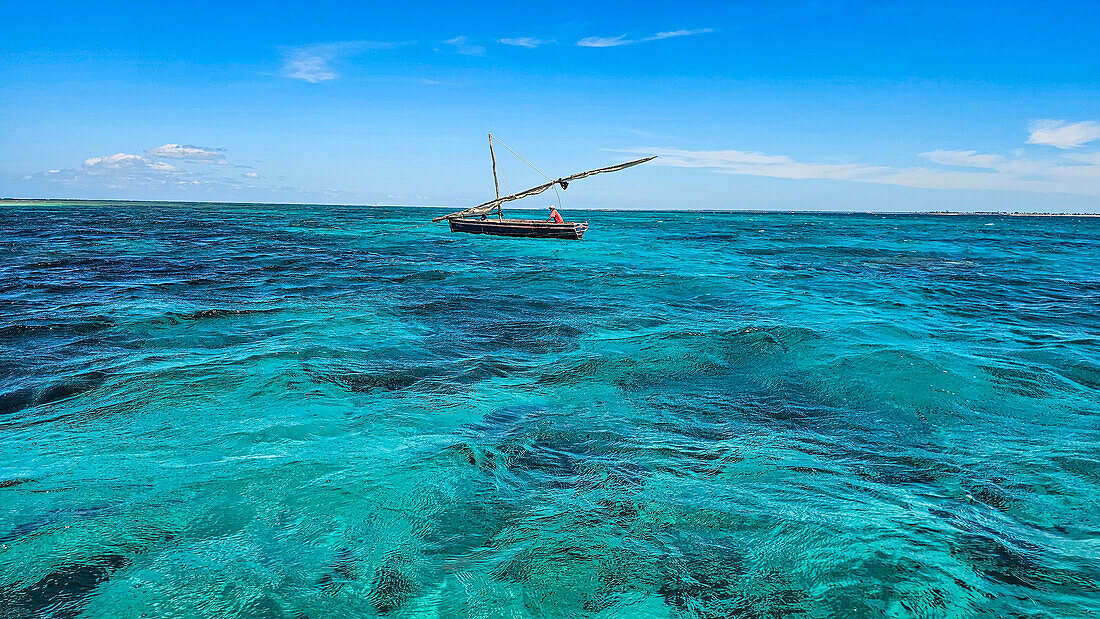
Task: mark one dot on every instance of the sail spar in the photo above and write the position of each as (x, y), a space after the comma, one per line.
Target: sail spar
(487, 207)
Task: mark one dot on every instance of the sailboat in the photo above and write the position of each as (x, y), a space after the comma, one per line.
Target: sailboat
(475, 220)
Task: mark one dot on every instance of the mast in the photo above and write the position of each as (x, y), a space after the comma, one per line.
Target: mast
(487, 207)
(496, 183)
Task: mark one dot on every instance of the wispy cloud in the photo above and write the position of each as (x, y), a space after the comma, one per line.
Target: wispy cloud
(462, 45)
(188, 152)
(649, 135)
(314, 63)
(528, 42)
(622, 40)
(964, 158)
(605, 41)
(1063, 134)
(668, 34)
(1077, 174)
(756, 164)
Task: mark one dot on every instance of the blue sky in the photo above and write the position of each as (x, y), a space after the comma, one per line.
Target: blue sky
(806, 105)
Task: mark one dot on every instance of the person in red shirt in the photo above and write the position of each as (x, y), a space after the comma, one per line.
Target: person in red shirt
(555, 216)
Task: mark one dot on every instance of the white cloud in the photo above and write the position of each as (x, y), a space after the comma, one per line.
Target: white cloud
(528, 42)
(1063, 134)
(462, 45)
(143, 177)
(129, 171)
(622, 40)
(1079, 175)
(188, 152)
(314, 63)
(124, 162)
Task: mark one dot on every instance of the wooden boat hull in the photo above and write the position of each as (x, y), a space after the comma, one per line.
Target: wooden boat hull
(527, 228)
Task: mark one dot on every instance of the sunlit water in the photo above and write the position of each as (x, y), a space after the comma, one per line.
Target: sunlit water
(214, 411)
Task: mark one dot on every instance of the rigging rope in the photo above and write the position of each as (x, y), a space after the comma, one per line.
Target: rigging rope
(497, 140)
(556, 192)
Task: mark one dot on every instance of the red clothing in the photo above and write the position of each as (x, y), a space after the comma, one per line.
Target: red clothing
(557, 217)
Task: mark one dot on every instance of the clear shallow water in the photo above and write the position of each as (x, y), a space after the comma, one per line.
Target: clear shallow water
(318, 411)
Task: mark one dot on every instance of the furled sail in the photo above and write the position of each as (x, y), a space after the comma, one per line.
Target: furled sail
(488, 207)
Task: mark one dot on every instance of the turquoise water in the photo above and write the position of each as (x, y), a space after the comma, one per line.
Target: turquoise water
(248, 411)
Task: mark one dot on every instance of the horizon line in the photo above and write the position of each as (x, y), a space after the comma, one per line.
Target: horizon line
(599, 210)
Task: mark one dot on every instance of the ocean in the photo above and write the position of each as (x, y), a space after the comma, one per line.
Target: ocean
(325, 411)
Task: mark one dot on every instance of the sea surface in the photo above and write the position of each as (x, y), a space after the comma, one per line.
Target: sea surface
(324, 411)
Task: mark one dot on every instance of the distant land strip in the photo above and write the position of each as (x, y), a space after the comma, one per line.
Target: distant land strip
(670, 210)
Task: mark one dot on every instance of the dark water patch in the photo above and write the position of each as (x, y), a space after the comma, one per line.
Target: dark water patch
(70, 388)
(514, 437)
(469, 524)
(526, 446)
(17, 400)
(550, 466)
(494, 366)
(687, 368)
(22, 530)
(578, 370)
(471, 454)
(923, 266)
(65, 591)
(996, 492)
(217, 312)
(508, 421)
(684, 355)
(1085, 466)
(50, 518)
(479, 307)
(899, 471)
(431, 275)
(700, 459)
(16, 481)
(724, 413)
(704, 427)
(28, 397)
(499, 334)
(1021, 381)
(342, 570)
(56, 327)
(702, 578)
(1008, 563)
(1009, 559)
(445, 378)
(518, 568)
(396, 380)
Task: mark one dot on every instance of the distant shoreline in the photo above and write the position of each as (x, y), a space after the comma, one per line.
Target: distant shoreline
(760, 211)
